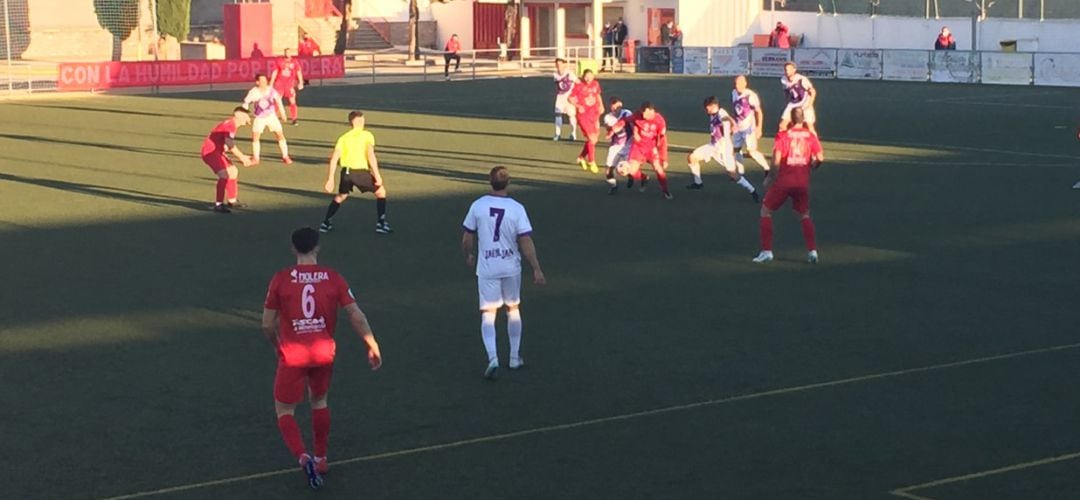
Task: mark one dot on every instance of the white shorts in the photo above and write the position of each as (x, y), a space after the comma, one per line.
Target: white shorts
(563, 106)
(745, 139)
(808, 113)
(272, 123)
(616, 155)
(722, 153)
(497, 292)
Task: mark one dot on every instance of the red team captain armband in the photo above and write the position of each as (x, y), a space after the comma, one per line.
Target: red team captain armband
(307, 298)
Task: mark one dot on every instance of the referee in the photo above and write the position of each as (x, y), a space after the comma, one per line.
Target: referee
(355, 150)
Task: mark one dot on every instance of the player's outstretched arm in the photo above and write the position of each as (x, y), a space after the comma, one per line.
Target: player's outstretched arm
(468, 243)
(270, 326)
(528, 250)
(334, 159)
(360, 325)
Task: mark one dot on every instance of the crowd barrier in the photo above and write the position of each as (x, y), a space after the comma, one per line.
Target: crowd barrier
(941, 66)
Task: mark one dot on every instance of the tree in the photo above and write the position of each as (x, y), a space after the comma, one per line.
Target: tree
(119, 17)
(174, 18)
(343, 33)
(511, 19)
(414, 27)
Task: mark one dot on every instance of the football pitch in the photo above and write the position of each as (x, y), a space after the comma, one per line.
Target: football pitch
(932, 354)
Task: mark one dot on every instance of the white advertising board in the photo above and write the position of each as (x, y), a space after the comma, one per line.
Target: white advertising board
(906, 65)
(1006, 68)
(859, 64)
(695, 60)
(816, 62)
(1059, 70)
(768, 61)
(954, 66)
(730, 61)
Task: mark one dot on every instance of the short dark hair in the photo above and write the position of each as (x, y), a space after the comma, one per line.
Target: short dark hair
(241, 109)
(614, 99)
(260, 75)
(305, 239)
(790, 63)
(354, 115)
(647, 105)
(798, 116)
(587, 71)
(499, 178)
(560, 60)
(709, 101)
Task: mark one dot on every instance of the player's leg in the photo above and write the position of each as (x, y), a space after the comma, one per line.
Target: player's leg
(661, 176)
(571, 113)
(511, 293)
(345, 186)
(593, 139)
(811, 119)
(800, 203)
(294, 107)
(490, 301)
(232, 187)
(612, 164)
(318, 390)
(725, 155)
(785, 118)
(751, 144)
(256, 141)
(219, 164)
(693, 162)
(774, 199)
(289, 386)
(559, 103)
(283, 145)
(382, 225)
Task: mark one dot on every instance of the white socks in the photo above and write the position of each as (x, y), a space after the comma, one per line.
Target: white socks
(695, 168)
(487, 330)
(745, 184)
(284, 148)
(513, 326)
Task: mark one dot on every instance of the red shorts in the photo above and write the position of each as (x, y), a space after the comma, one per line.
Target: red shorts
(287, 92)
(643, 155)
(589, 124)
(216, 162)
(778, 194)
(291, 381)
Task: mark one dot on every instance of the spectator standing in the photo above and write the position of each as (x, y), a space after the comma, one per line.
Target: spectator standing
(308, 47)
(676, 35)
(945, 40)
(621, 32)
(665, 33)
(780, 37)
(453, 46)
(609, 41)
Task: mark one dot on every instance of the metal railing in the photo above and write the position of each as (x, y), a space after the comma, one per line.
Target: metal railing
(24, 77)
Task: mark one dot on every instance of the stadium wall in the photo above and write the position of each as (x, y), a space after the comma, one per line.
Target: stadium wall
(887, 32)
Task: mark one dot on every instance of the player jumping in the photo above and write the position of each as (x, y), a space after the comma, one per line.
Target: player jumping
(588, 103)
(800, 94)
(796, 152)
(749, 123)
(564, 85)
(649, 127)
(618, 155)
(719, 148)
(287, 79)
(355, 150)
(222, 140)
(298, 319)
(501, 228)
(269, 111)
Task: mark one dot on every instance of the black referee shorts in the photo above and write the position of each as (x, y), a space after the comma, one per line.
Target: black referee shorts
(356, 179)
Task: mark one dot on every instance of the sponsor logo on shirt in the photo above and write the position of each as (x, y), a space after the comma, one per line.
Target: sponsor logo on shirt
(499, 253)
(303, 326)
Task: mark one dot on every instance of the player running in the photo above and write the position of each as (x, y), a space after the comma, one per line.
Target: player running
(266, 104)
(501, 228)
(749, 123)
(565, 79)
(298, 319)
(801, 94)
(719, 148)
(588, 103)
(287, 79)
(355, 150)
(796, 152)
(222, 140)
(649, 129)
(618, 154)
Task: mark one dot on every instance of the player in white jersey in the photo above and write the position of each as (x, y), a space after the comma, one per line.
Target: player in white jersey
(749, 123)
(800, 94)
(501, 228)
(618, 153)
(565, 79)
(269, 112)
(719, 148)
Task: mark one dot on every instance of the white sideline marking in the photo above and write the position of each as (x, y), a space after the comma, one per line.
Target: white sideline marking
(610, 419)
(906, 491)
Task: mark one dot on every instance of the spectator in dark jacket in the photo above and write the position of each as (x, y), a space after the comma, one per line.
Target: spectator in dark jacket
(621, 32)
(945, 40)
(609, 41)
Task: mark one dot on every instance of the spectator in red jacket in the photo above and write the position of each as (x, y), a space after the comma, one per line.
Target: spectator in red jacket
(453, 46)
(780, 37)
(945, 40)
(308, 47)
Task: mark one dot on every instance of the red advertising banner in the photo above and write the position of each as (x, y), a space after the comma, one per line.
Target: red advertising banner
(108, 75)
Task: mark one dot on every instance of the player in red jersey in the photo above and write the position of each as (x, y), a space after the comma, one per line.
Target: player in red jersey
(589, 104)
(796, 151)
(222, 140)
(287, 79)
(298, 319)
(649, 129)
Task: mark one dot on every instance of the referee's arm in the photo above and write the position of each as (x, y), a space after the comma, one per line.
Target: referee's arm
(334, 159)
(373, 164)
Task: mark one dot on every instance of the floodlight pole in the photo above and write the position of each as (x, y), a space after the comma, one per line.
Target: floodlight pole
(1020, 9)
(7, 42)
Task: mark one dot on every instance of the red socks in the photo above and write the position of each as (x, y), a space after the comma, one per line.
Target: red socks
(661, 177)
(232, 189)
(290, 432)
(766, 233)
(320, 424)
(221, 185)
(292, 109)
(808, 234)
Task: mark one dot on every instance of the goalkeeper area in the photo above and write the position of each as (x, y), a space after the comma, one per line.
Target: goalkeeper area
(932, 354)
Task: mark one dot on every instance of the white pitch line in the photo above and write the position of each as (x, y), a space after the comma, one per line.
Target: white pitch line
(906, 491)
(610, 419)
